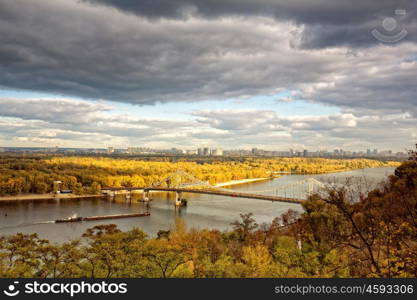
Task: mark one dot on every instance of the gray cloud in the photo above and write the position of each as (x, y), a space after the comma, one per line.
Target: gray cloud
(54, 110)
(269, 121)
(73, 121)
(329, 22)
(66, 122)
(266, 128)
(370, 84)
(96, 52)
(304, 11)
(73, 49)
(144, 52)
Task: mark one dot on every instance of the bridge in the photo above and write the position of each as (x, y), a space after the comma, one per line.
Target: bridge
(181, 182)
(230, 193)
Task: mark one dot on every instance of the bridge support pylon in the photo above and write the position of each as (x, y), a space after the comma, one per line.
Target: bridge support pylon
(178, 197)
(129, 196)
(111, 194)
(179, 201)
(145, 196)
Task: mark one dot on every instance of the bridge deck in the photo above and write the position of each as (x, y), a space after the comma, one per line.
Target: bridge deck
(214, 192)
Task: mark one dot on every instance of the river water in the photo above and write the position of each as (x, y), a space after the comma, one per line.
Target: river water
(203, 211)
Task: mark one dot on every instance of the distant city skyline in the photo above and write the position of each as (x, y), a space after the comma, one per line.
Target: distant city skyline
(209, 151)
(267, 74)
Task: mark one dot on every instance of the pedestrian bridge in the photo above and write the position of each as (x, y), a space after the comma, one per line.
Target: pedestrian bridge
(214, 191)
(181, 182)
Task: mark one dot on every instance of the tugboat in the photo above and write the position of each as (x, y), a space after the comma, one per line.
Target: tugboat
(70, 219)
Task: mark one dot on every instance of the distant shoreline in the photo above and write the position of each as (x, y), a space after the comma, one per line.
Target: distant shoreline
(29, 197)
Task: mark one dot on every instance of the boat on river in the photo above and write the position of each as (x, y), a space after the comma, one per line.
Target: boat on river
(118, 216)
(75, 218)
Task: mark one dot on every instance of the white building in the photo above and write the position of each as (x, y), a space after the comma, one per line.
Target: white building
(217, 152)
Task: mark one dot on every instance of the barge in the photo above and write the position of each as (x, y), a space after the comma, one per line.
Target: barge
(75, 218)
(69, 220)
(118, 216)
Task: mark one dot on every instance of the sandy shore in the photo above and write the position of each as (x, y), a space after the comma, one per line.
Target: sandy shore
(240, 181)
(45, 197)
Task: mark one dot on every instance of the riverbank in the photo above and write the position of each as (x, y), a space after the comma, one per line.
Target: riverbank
(30, 197)
(241, 181)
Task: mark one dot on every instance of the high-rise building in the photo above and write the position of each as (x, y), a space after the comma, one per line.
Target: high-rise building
(200, 151)
(206, 151)
(176, 151)
(110, 150)
(256, 151)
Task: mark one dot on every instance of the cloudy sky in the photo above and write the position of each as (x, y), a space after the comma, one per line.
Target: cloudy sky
(272, 74)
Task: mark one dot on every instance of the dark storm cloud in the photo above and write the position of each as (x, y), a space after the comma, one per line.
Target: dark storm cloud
(303, 11)
(373, 84)
(159, 51)
(328, 22)
(68, 48)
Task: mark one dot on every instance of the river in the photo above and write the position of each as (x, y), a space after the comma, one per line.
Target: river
(203, 211)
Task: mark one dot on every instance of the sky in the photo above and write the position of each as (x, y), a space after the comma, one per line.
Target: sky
(270, 74)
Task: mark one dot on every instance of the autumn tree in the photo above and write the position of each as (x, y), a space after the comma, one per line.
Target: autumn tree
(245, 226)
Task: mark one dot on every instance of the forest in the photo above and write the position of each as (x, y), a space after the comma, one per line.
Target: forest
(85, 175)
(335, 236)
